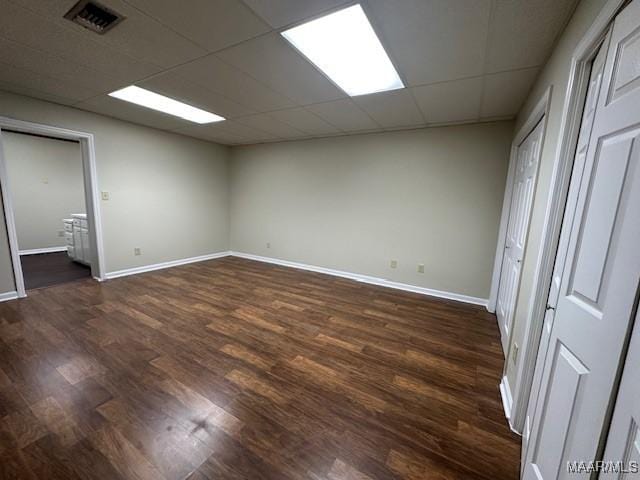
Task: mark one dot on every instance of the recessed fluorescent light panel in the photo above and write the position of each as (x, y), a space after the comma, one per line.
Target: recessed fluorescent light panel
(344, 46)
(155, 101)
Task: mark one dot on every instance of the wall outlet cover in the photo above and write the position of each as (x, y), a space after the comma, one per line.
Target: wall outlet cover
(421, 268)
(105, 195)
(394, 264)
(137, 251)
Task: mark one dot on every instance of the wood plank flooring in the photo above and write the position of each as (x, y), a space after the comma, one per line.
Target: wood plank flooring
(47, 269)
(233, 369)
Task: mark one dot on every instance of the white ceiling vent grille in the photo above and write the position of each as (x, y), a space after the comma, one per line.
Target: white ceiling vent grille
(93, 16)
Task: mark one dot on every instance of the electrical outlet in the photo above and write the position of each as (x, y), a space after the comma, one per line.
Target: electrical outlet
(137, 251)
(394, 264)
(61, 233)
(105, 195)
(268, 244)
(514, 353)
(421, 268)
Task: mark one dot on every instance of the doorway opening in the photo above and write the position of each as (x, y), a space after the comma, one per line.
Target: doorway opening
(50, 204)
(47, 188)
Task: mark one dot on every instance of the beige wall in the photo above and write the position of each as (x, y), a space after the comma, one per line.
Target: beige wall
(168, 192)
(430, 196)
(46, 183)
(556, 74)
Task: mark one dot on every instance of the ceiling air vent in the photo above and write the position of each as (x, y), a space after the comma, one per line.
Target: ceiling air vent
(93, 16)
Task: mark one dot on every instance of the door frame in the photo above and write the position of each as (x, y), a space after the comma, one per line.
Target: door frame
(571, 120)
(92, 195)
(539, 113)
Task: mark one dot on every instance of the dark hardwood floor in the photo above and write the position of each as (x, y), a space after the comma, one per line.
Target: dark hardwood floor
(47, 269)
(232, 369)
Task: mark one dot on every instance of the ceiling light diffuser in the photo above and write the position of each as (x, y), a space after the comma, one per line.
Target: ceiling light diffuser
(344, 46)
(155, 101)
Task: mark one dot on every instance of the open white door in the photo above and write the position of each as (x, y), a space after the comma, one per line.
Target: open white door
(527, 159)
(600, 276)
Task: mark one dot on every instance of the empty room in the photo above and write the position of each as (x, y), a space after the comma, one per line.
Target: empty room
(319, 239)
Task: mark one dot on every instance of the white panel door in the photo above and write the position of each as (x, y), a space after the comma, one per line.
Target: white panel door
(527, 159)
(600, 276)
(623, 442)
(591, 101)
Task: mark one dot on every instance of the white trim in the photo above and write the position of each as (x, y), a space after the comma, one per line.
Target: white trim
(564, 158)
(4, 297)
(366, 279)
(10, 221)
(92, 193)
(302, 266)
(539, 112)
(163, 265)
(507, 401)
(37, 251)
(505, 394)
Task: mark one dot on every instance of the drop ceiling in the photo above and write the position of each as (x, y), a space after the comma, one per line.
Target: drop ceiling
(461, 60)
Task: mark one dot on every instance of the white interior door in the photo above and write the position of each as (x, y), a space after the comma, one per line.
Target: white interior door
(600, 276)
(527, 159)
(623, 442)
(591, 101)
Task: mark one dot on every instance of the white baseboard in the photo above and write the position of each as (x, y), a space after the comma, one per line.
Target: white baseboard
(507, 401)
(8, 296)
(505, 393)
(160, 266)
(36, 251)
(366, 279)
(285, 263)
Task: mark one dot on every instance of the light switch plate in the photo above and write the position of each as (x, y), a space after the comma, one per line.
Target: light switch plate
(105, 195)
(394, 264)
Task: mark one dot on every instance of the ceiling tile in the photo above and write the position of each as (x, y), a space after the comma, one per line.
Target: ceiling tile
(138, 36)
(522, 32)
(391, 109)
(272, 61)
(205, 132)
(113, 107)
(8, 88)
(280, 13)
(344, 114)
(233, 129)
(12, 75)
(304, 121)
(450, 102)
(34, 30)
(266, 123)
(41, 63)
(248, 133)
(433, 40)
(211, 24)
(214, 74)
(505, 92)
(174, 86)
